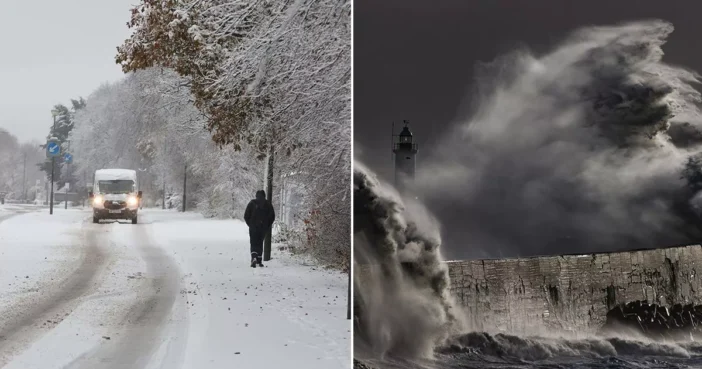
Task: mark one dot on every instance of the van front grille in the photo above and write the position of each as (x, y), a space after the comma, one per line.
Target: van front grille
(115, 204)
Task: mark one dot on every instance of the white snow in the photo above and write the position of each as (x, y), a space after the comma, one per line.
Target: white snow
(9, 209)
(34, 245)
(241, 317)
(207, 307)
(115, 174)
(39, 252)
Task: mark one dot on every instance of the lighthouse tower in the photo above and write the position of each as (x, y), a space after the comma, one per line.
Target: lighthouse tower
(405, 153)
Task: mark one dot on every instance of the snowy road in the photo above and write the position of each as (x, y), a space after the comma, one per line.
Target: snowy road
(7, 211)
(175, 291)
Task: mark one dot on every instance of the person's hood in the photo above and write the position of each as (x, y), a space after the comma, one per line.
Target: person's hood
(260, 195)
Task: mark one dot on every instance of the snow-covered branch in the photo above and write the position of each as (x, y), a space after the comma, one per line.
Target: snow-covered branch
(262, 74)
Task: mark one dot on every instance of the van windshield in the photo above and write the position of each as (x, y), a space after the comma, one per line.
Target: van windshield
(116, 186)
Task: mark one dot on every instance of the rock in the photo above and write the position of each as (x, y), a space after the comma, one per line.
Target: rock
(655, 321)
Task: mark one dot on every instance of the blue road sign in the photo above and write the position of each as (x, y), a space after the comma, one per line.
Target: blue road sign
(68, 158)
(53, 149)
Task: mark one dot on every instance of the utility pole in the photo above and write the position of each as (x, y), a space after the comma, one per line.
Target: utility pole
(185, 182)
(269, 195)
(24, 177)
(53, 163)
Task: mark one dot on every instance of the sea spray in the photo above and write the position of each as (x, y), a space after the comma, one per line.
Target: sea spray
(400, 285)
(577, 150)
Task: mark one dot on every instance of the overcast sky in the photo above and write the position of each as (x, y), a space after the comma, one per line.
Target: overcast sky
(53, 51)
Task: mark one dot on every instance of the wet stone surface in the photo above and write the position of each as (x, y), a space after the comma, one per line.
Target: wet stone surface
(677, 322)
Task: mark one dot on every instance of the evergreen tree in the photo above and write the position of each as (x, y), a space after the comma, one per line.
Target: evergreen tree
(61, 130)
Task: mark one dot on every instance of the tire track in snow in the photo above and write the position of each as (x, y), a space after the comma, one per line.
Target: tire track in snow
(25, 320)
(144, 323)
(14, 213)
(7, 216)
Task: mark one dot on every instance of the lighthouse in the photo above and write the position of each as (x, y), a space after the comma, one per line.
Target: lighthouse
(405, 151)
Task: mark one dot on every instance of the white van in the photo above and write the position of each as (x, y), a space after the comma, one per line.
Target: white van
(115, 195)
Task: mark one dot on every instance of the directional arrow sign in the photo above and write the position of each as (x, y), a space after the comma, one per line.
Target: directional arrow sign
(68, 158)
(53, 149)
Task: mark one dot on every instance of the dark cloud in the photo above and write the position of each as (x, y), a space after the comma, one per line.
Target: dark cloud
(530, 188)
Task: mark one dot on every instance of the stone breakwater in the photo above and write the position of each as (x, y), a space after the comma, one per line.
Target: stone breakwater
(572, 292)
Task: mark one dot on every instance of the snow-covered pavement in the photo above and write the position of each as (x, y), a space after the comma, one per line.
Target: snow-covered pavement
(175, 291)
(8, 210)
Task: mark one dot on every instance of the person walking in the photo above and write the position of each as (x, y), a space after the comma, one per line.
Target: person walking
(259, 216)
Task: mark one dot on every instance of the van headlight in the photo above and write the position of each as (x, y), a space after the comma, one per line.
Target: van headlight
(132, 201)
(97, 200)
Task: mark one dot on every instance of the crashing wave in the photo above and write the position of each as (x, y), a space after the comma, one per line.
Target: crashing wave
(583, 146)
(400, 284)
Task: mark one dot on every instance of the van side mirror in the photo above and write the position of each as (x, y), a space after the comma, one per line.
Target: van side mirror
(139, 194)
(91, 194)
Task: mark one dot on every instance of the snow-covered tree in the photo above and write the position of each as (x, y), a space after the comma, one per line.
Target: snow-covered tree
(148, 123)
(61, 130)
(269, 78)
(18, 166)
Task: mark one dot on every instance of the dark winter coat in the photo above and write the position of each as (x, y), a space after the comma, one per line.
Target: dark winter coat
(259, 214)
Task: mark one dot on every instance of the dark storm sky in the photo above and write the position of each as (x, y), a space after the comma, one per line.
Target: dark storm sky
(415, 59)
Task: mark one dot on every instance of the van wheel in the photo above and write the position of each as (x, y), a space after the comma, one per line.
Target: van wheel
(134, 220)
(96, 220)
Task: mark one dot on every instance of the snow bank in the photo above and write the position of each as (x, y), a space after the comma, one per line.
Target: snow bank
(284, 315)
